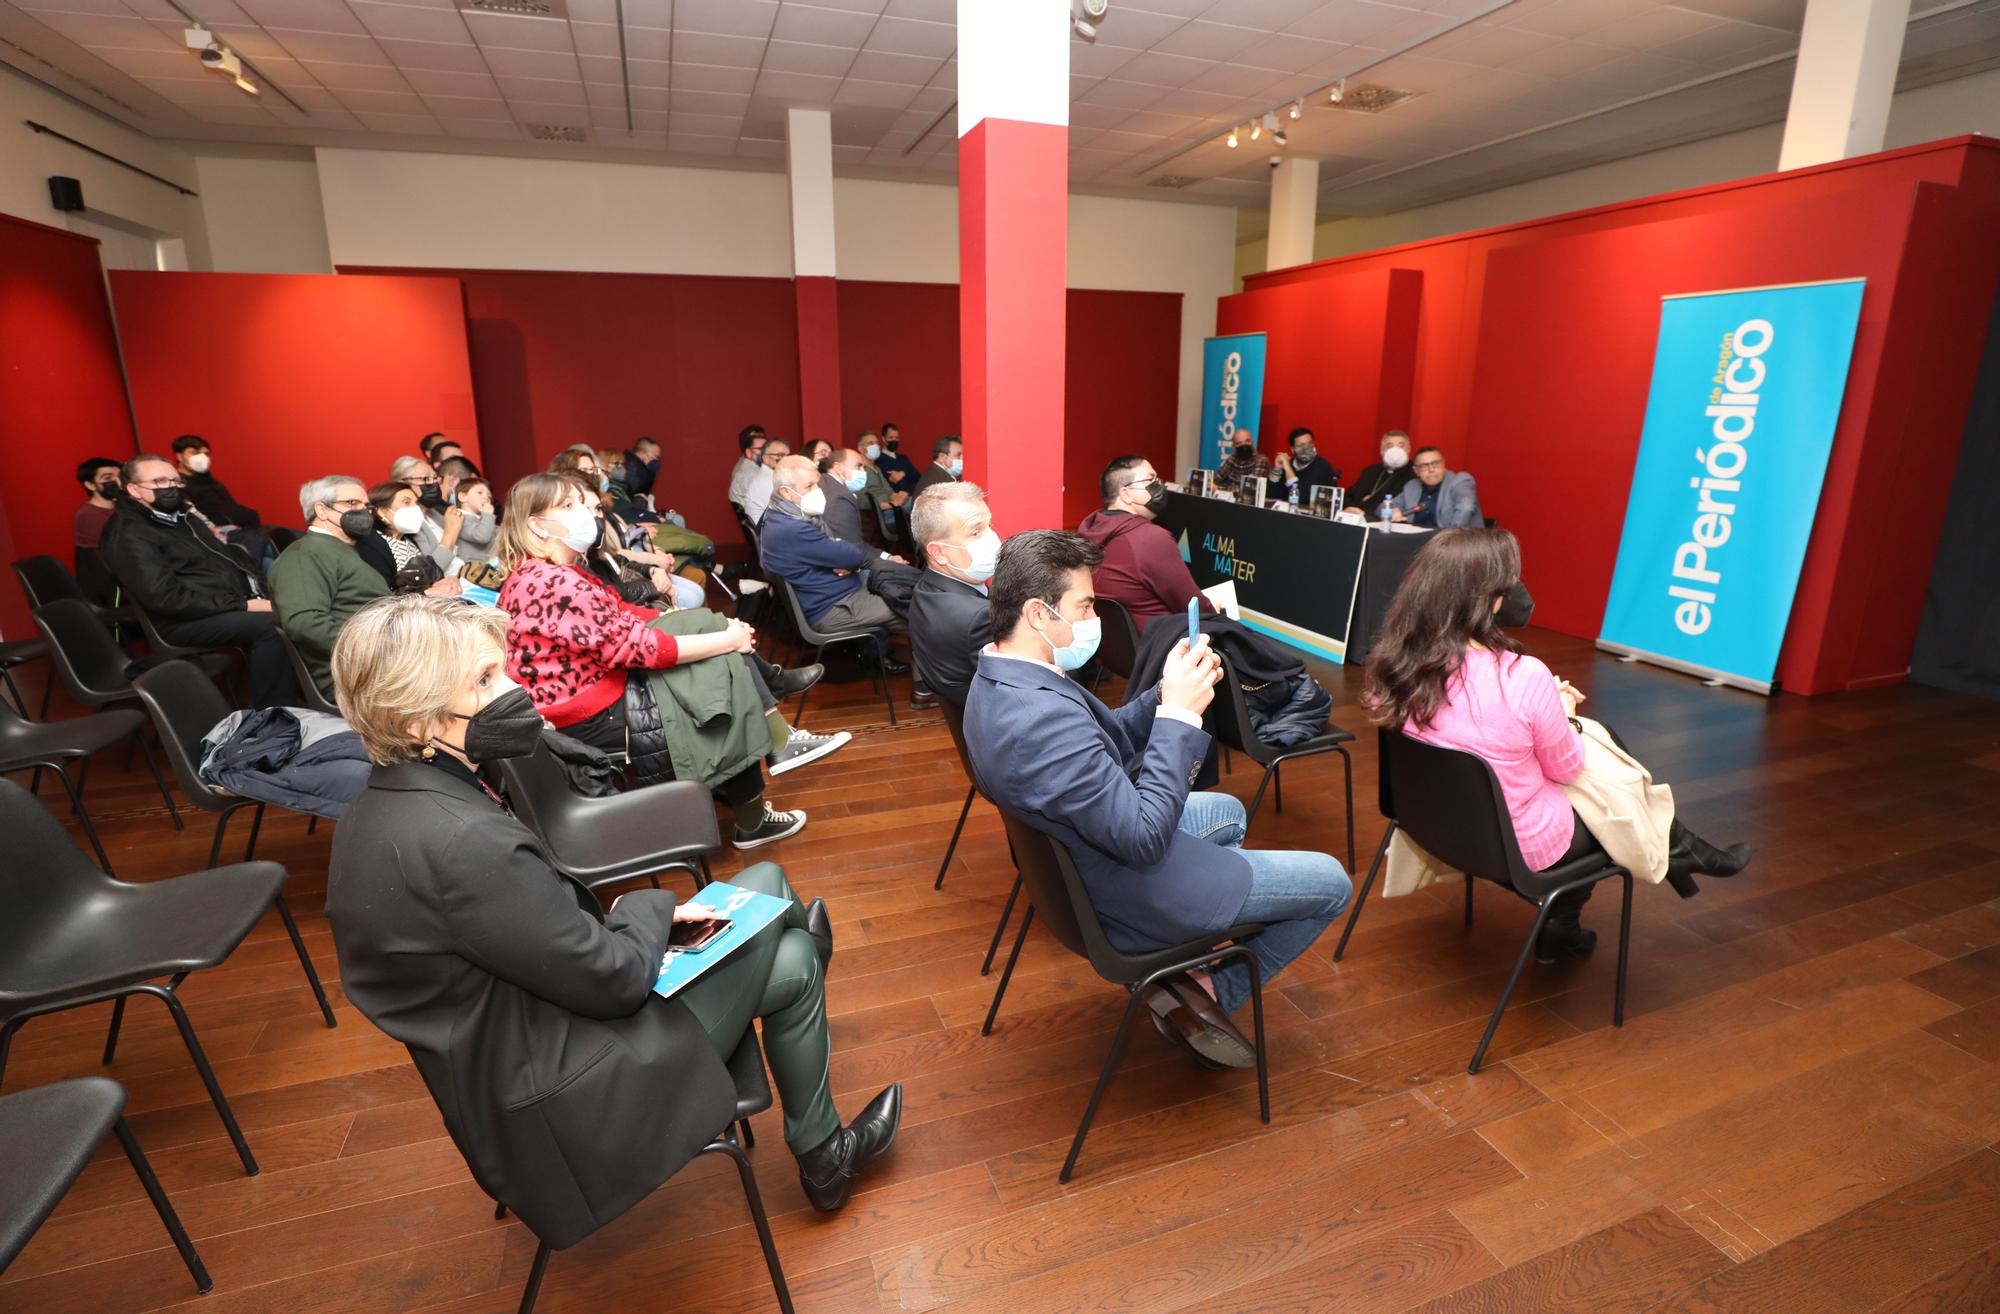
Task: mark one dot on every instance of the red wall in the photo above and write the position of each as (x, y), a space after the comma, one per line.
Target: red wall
(293, 376)
(61, 397)
(1534, 350)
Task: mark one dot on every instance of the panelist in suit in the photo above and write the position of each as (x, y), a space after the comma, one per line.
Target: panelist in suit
(1163, 865)
(1438, 498)
(949, 618)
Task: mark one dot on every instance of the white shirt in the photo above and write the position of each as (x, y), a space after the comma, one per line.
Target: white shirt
(750, 487)
(1180, 714)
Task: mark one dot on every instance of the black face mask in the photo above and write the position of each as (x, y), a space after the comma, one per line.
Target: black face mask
(1516, 606)
(357, 524)
(430, 495)
(107, 490)
(892, 443)
(509, 726)
(1156, 495)
(1243, 449)
(653, 464)
(169, 501)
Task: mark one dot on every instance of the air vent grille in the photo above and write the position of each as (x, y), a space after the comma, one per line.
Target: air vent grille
(517, 8)
(555, 132)
(1175, 181)
(1372, 99)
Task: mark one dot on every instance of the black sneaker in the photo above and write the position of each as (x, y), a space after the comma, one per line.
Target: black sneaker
(777, 825)
(804, 746)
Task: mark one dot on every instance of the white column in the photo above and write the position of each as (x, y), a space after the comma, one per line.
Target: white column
(1294, 213)
(809, 168)
(1848, 55)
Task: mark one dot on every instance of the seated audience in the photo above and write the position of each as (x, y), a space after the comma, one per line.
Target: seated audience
(428, 441)
(206, 493)
(1437, 498)
(845, 482)
(479, 531)
(640, 574)
(453, 471)
(1246, 462)
(898, 469)
(436, 534)
(949, 619)
(393, 545)
(1443, 671)
(824, 572)
(1384, 479)
(757, 501)
(1163, 865)
(1142, 567)
(888, 506)
(572, 1090)
(575, 646)
(749, 472)
(820, 452)
(199, 591)
(947, 462)
(642, 466)
(99, 477)
(443, 450)
(320, 580)
(1306, 471)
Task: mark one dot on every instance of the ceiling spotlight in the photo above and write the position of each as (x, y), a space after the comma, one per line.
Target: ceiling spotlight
(1085, 15)
(1298, 107)
(1270, 121)
(1086, 29)
(1232, 139)
(1278, 138)
(198, 38)
(1256, 129)
(1339, 91)
(245, 84)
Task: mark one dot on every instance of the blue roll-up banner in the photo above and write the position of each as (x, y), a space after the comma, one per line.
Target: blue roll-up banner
(1746, 393)
(1232, 391)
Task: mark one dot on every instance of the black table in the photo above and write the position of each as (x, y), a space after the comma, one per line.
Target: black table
(1389, 556)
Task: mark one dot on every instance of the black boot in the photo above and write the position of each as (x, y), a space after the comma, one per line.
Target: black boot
(1563, 932)
(828, 1172)
(1691, 856)
(820, 927)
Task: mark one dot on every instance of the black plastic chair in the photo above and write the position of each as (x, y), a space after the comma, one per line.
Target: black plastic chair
(1118, 650)
(311, 696)
(94, 670)
(1057, 892)
(19, 652)
(954, 720)
(214, 657)
(26, 744)
(1451, 804)
(1234, 727)
(821, 640)
(75, 936)
(45, 579)
(753, 1095)
(47, 1137)
(621, 837)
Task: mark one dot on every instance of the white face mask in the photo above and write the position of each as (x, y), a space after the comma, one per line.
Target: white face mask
(983, 554)
(1395, 458)
(198, 463)
(579, 527)
(872, 451)
(814, 502)
(408, 519)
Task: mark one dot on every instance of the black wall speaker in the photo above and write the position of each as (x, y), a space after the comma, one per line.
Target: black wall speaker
(66, 194)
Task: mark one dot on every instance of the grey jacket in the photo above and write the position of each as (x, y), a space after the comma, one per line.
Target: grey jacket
(1457, 501)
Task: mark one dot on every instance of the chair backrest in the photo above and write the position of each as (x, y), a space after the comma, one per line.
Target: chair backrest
(89, 662)
(797, 612)
(536, 789)
(539, 790)
(45, 579)
(1118, 650)
(954, 721)
(1232, 716)
(309, 691)
(1038, 858)
(749, 530)
(158, 644)
(45, 878)
(185, 705)
(1450, 803)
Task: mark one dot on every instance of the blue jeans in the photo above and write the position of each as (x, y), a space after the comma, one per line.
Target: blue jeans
(687, 593)
(1296, 894)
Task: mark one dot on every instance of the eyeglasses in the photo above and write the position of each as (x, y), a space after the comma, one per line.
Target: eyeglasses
(421, 482)
(156, 484)
(350, 504)
(1430, 465)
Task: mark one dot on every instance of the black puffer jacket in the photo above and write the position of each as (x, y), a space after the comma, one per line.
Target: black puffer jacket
(176, 569)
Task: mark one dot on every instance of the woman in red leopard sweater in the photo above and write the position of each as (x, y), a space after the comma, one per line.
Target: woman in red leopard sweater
(573, 643)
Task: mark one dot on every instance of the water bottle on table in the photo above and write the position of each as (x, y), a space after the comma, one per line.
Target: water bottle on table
(1382, 514)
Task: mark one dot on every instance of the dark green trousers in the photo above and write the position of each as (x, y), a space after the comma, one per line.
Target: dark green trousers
(776, 976)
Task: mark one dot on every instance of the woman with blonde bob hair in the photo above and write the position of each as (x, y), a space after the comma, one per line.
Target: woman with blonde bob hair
(575, 645)
(572, 1090)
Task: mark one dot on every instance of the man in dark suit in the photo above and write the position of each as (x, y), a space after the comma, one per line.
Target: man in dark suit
(947, 463)
(1163, 865)
(890, 577)
(949, 619)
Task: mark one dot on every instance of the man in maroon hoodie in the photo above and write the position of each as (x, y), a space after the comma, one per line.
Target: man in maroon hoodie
(1142, 563)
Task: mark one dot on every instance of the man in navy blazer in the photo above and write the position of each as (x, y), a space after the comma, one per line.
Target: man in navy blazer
(1163, 865)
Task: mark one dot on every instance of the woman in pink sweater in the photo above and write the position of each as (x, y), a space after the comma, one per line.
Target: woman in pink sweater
(1443, 672)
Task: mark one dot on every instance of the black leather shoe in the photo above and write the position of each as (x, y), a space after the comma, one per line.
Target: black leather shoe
(828, 1172)
(820, 927)
(894, 667)
(923, 701)
(1559, 938)
(797, 680)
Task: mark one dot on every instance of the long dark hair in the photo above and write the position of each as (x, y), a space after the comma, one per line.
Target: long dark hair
(1443, 605)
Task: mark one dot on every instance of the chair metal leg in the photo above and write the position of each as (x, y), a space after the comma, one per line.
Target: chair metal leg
(748, 1137)
(534, 1287)
(221, 824)
(111, 1036)
(305, 960)
(756, 1202)
(1374, 867)
(48, 687)
(986, 1029)
(499, 1211)
(1006, 914)
(312, 823)
(75, 792)
(956, 831)
(1257, 1014)
(82, 775)
(256, 825)
(164, 1207)
(1624, 951)
(1104, 1080)
(6, 1039)
(1278, 787)
(1469, 883)
(882, 660)
(702, 875)
(138, 737)
(1257, 799)
(1347, 774)
(1227, 766)
(8, 677)
(215, 1094)
(1513, 979)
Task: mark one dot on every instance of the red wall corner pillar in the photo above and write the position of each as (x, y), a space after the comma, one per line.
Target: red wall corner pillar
(819, 360)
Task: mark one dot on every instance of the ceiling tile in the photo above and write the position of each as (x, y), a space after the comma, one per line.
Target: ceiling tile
(1234, 79)
(849, 154)
(468, 107)
(383, 102)
(1288, 52)
(1122, 95)
(542, 91)
(102, 31)
(483, 128)
(1654, 27)
(305, 15)
(595, 38)
(687, 143)
(1489, 45)
(592, 11)
(1135, 29)
(914, 70)
(462, 57)
(1350, 22)
(600, 68)
(877, 95)
(1574, 18)
(508, 32)
(1098, 61)
(343, 78)
(108, 8)
(1163, 70)
(832, 27)
(1173, 8)
(799, 57)
(1780, 15)
(652, 43)
(569, 116)
(1728, 44)
(732, 51)
(421, 123)
(714, 77)
(1269, 15)
(709, 102)
(437, 82)
(936, 11)
(760, 148)
(709, 125)
(934, 98)
(909, 36)
(532, 64)
(650, 73)
(799, 88)
(746, 18)
(410, 23)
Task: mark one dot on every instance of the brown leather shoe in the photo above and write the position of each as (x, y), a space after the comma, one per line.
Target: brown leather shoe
(1185, 1015)
(923, 701)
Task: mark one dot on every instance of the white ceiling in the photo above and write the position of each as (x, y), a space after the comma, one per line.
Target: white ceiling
(1530, 88)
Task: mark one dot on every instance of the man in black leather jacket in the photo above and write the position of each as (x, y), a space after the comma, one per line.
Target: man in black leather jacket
(198, 591)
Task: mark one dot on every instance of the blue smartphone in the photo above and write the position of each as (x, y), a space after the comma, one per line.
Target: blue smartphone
(1194, 622)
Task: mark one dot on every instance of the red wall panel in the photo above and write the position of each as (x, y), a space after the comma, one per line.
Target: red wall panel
(1123, 394)
(899, 360)
(1534, 352)
(62, 399)
(293, 376)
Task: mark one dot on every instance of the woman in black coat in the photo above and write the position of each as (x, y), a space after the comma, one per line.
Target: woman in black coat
(572, 1090)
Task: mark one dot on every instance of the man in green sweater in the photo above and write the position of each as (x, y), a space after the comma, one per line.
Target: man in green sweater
(320, 580)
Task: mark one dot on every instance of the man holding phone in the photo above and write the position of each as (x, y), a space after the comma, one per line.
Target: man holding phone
(1115, 788)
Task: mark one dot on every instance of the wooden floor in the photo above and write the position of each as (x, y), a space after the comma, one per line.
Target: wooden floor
(1800, 1113)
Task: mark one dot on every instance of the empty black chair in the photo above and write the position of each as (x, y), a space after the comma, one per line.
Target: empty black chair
(1118, 650)
(1450, 803)
(92, 667)
(74, 936)
(47, 1136)
(310, 694)
(753, 1095)
(1057, 892)
(1233, 726)
(621, 837)
(44, 579)
(822, 640)
(26, 744)
(954, 720)
(19, 652)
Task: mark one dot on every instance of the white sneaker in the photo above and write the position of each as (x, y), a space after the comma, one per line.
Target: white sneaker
(804, 746)
(749, 586)
(777, 825)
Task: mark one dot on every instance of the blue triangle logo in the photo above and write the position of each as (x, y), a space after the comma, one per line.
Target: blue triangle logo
(1186, 555)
